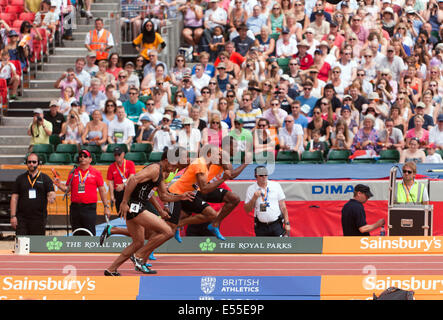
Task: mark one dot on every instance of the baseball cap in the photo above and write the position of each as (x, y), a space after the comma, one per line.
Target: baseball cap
(364, 189)
(118, 151)
(91, 54)
(145, 118)
(187, 120)
(431, 146)
(86, 152)
(12, 33)
(239, 120)
(285, 30)
(420, 105)
(38, 110)
(261, 171)
(167, 116)
(75, 104)
(53, 103)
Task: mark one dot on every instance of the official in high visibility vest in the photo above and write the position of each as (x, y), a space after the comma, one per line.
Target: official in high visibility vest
(409, 190)
(99, 40)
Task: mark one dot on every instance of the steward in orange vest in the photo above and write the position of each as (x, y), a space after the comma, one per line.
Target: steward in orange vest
(100, 45)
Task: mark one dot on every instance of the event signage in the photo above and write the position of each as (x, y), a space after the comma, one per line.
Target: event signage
(65, 244)
(69, 287)
(218, 288)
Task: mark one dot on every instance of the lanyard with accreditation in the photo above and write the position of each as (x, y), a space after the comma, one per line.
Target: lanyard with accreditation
(33, 192)
(122, 174)
(82, 181)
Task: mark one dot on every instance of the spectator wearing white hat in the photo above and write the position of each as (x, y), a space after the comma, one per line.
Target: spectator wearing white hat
(189, 137)
(163, 136)
(40, 129)
(286, 46)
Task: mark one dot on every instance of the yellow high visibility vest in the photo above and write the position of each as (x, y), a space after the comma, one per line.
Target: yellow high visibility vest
(414, 195)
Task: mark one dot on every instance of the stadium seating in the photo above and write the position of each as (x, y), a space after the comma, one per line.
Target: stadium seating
(66, 148)
(106, 158)
(97, 150)
(139, 158)
(43, 148)
(112, 146)
(155, 156)
(389, 156)
(60, 158)
(338, 156)
(287, 157)
(141, 147)
(311, 157)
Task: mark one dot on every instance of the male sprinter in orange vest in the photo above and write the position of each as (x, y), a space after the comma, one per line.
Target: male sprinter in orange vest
(99, 40)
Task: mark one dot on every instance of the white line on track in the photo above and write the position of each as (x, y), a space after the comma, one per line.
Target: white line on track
(227, 262)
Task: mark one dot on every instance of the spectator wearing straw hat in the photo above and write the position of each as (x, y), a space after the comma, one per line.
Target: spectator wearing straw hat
(304, 58)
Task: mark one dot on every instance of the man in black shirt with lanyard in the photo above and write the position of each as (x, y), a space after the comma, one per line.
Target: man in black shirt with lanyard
(30, 196)
(353, 218)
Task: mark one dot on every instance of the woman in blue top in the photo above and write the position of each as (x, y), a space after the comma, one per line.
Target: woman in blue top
(226, 115)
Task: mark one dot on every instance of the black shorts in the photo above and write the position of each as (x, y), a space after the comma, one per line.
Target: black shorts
(135, 208)
(215, 196)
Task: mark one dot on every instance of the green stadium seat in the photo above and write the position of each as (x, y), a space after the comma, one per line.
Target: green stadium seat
(138, 158)
(389, 156)
(141, 147)
(66, 148)
(55, 140)
(364, 160)
(338, 156)
(60, 158)
(155, 156)
(106, 158)
(92, 149)
(283, 63)
(274, 36)
(43, 148)
(287, 157)
(308, 157)
(110, 148)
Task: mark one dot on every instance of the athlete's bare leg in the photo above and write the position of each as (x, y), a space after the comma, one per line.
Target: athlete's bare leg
(231, 201)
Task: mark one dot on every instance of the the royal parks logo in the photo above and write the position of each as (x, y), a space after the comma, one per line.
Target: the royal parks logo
(207, 245)
(54, 245)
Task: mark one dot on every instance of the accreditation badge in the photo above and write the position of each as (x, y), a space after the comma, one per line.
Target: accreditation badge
(32, 193)
(263, 207)
(81, 188)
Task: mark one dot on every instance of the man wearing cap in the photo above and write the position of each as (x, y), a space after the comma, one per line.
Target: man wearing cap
(121, 129)
(436, 133)
(353, 215)
(83, 183)
(163, 136)
(409, 190)
(90, 66)
(305, 59)
(176, 123)
(267, 199)
(242, 136)
(144, 130)
(117, 175)
(242, 42)
(200, 79)
(319, 25)
(286, 46)
(40, 129)
(55, 117)
(432, 156)
(420, 110)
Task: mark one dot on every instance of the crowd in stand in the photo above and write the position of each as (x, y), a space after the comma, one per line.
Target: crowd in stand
(286, 75)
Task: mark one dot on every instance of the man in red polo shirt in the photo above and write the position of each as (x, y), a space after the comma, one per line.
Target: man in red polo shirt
(118, 173)
(233, 55)
(83, 183)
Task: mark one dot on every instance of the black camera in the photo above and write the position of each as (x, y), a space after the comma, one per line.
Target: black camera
(39, 118)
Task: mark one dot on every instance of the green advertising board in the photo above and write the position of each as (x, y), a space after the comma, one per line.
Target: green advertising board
(205, 245)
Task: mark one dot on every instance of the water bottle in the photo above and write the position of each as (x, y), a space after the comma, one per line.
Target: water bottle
(382, 231)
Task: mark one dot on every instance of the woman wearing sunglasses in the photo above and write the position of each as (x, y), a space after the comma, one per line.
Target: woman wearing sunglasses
(410, 190)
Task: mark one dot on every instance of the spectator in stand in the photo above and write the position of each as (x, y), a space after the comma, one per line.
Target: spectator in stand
(257, 21)
(148, 39)
(105, 77)
(231, 55)
(275, 115)
(178, 71)
(82, 75)
(123, 86)
(40, 129)
(92, 100)
(265, 138)
(413, 152)
(90, 66)
(163, 136)
(418, 132)
(133, 106)
(391, 137)
(9, 73)
(291, 136)
(145, 130)
(99, 40)
(276, 19)
(420, 111)
(121, 130)
(153, 62)
(242, 42)
(84, 117)
(431, 155)
(286, 46)
(114, 65)
(133, 80)
(111, 94)
(247, 113)
(96, 131)
(189, 137)
(307, 98)
(72, 130)
(366, 137)
(347, 65)
(46, 19)
(193, 23)
(319, 25)
(27, 37)
(55, 117)
(341, 136)
(69, 79)
(197, 122)
(214, 133)
(200, 79)
(110, 107)
(436, 133)
(154, 114)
